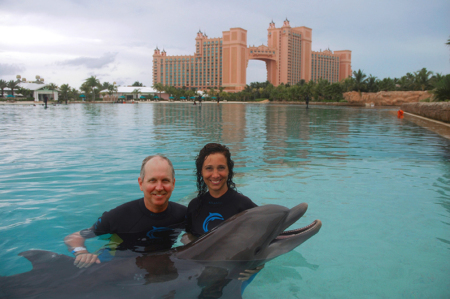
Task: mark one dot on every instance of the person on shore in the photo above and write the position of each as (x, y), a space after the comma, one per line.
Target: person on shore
(217, 198)
(147, 224)
(45, 100)
(200, 100)
(307, 101)
(218, 100)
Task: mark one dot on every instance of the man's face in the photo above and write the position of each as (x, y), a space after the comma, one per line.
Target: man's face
(157, 184)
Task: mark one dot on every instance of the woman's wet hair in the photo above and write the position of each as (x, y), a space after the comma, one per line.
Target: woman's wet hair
(213, 148)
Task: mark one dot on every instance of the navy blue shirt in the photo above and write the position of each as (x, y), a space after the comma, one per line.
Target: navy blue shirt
(140, 229)
(206, 212)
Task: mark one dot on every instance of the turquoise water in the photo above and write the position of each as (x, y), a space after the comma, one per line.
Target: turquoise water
(380, 185)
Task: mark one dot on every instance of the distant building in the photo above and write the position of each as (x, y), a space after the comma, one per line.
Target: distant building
(129, 92)
(222, 62)
(39, 90)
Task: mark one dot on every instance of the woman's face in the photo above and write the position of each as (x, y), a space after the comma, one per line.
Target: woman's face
(215, 174)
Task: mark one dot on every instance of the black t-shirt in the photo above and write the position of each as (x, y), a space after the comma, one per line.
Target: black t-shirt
(206, 212)
(139, 229)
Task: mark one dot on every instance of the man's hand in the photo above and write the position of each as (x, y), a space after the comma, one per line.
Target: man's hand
(85, 259)
(249, 273)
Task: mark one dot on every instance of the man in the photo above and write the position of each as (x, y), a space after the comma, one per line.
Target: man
(45, 100)
(147, 224)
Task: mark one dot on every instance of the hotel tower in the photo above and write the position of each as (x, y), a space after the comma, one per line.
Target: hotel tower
(222, 62)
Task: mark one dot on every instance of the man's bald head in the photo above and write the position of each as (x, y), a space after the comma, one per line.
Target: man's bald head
(144, 162)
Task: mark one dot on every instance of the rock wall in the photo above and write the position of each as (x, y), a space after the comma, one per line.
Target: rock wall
(438, 111)
(386, 98)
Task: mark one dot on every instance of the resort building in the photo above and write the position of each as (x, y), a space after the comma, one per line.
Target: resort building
(128, 93)
(40, 90)
(222, 62)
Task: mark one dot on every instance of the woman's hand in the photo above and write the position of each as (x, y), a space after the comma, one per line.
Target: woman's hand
(187, 238)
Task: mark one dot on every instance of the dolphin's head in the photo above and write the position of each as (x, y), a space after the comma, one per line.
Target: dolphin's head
(255, 234)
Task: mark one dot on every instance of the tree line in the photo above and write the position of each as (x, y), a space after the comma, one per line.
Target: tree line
(324, 91)
(319, 91)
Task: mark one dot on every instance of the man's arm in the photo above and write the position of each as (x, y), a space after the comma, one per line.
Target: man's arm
(75, 244)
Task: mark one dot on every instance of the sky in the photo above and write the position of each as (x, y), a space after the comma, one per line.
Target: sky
(67, 41)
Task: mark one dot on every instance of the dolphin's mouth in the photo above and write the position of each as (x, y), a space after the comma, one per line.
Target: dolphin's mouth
(295, 232)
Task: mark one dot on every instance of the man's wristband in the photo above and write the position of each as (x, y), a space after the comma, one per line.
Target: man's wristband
(76, 249)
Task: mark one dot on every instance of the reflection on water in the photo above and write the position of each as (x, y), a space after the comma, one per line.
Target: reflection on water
(379, 184)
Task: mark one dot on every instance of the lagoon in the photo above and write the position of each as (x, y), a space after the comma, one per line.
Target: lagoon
(379, 184)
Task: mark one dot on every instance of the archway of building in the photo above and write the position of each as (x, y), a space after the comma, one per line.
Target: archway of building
(270, 69)
(256, 71)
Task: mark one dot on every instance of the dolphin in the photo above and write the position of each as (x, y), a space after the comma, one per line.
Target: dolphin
(209, 267)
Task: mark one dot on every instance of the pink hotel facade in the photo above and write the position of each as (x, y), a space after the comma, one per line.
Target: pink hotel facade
(222, 62)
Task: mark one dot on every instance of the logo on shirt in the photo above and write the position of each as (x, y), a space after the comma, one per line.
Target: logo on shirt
(154, 230)
(211, 217)
(98, 222)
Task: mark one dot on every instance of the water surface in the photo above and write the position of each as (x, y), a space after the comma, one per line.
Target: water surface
(380, 185)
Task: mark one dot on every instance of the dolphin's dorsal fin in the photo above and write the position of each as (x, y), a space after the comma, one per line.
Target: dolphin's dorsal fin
(37, 257)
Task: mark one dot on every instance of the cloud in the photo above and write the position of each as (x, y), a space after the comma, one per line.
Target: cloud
(10, 69)
(78, 38)
(89, 62)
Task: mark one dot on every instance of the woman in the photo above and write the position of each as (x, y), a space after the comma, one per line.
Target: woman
(217, 198)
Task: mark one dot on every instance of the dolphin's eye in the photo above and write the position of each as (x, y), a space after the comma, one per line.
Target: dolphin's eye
(257, 250)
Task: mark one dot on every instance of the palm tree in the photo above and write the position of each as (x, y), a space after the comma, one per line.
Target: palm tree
(407, 82)
(112, 88)
(435, 79)
(73, 94)
(372, 84)
(360, 81)
(333, 92)
(320, 89)
(92, 82)
(105, 85)
(211, 92)
(422, 79)
(64, 90)
(13, 85)
(159, 87)
(24, 91)
(347, 83)
(136, 92)
(85, 88)
(387, 84)
(442, 90)
(52, 86)
(3, 85)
